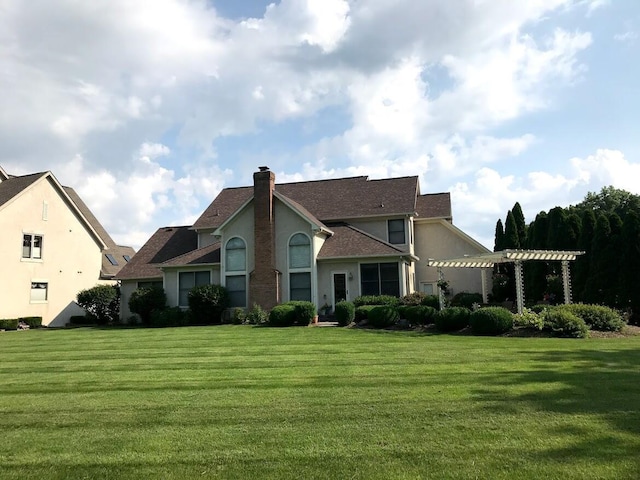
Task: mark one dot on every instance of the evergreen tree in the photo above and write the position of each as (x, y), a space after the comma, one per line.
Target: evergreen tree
(535, 272)
(630, 266)
(521, 226)
(596, 283)
(557, 228)
(511, 232)
(582, 263)
(499, 237)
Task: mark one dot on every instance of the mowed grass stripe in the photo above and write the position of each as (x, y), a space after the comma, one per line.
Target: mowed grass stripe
(236, 401)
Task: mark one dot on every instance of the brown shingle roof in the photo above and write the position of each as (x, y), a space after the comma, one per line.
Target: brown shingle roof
(348, 241)
(434, 205)
(12, 186)
(204, 255)
(343, 198)
(166, 243)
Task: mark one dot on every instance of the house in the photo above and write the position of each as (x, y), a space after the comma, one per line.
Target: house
(322, 241)
(51, 247)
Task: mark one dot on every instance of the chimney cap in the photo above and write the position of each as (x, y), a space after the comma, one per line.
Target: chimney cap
(264, 169)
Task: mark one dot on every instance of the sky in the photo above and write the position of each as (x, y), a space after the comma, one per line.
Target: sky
(149, 108)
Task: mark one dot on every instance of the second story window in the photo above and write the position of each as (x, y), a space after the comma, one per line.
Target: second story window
(31, 246)
(396, 231)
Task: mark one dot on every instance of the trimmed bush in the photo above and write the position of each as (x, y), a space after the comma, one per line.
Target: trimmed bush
(452, 319)
(207, 302)
(33, 322)
(8, 323)
(491, 321)
(466, 299)
(283, 315)
(144, 301)
(169, 317)
(597, 317)
(102, 303)
(420, 314)
(383, 316)
(256, 316)
(376, 300)
(528, 319)
(431, 301)
(304, 311)
(362, 312)
(563, 323)
(345, 313)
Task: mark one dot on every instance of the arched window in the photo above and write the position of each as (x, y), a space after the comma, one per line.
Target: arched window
(299, 251)
(236, 274)
(300, 267)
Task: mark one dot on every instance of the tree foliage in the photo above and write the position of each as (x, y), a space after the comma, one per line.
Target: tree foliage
(102, 303)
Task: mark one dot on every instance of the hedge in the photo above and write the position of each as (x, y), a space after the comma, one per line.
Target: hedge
(419, 314)
(283, 315)
(597, 317)
(8, 323)
(383, 316)
(466, 299)
(207, 302)
(362, 312)
(491, 321)
(376, 300)
(563, 323)
(452, 319)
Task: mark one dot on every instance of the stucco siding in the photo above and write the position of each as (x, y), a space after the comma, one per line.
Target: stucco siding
(435, 240)
(71, 257)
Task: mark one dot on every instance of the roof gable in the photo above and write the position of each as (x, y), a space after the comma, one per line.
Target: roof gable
(349, 241)
(434, 205)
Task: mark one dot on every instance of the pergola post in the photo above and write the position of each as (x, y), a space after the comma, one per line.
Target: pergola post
(483, 279)
(440, 291)
(519, 286)
(566, 282)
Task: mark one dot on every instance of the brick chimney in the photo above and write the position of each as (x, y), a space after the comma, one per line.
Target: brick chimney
(264, 282)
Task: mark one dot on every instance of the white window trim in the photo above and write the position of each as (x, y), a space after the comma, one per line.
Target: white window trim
(308, 269)
(31, 258)
(235, 273)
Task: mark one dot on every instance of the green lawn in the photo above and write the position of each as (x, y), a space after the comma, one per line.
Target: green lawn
(255, 403)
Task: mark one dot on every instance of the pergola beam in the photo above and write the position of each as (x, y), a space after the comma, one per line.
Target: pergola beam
(488, 260)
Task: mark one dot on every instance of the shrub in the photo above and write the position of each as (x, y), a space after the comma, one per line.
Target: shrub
(362, 312)
(33, 322)
(420, 314)
(539, 308)
(80, 320)
(345, 312)
(452, 319)
(169, 317)
(304, 311)
(238, 316)
(431, 301)
(8, 323)
(102, 303)
(376, 300)
(283, 315)
(563, 323)
(256, 316)
(383, 316)
(207, 302)
(144, 301)
(415, 298)
(597, 317)
(491, 321)
(528, 319)
(466, 299)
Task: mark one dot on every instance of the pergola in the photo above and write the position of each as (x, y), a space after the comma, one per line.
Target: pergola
(517, 257)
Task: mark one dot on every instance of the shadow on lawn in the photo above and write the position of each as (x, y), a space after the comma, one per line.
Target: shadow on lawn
(595, 384)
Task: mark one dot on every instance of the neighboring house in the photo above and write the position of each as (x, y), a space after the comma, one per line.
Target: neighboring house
(51, 247)
(322, 241)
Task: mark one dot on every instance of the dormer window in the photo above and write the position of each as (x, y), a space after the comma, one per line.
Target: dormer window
(396, 231)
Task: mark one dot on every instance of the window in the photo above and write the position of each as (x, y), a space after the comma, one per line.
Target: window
(151, 284)
(299, 251)
(396, 231)
(39, 291)
(31, 246)
(112, 259)
(427, 288)
(188, 280)
(236, 266)
(300, 286)
(380, 279)
(300, 267)
(127, 258)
